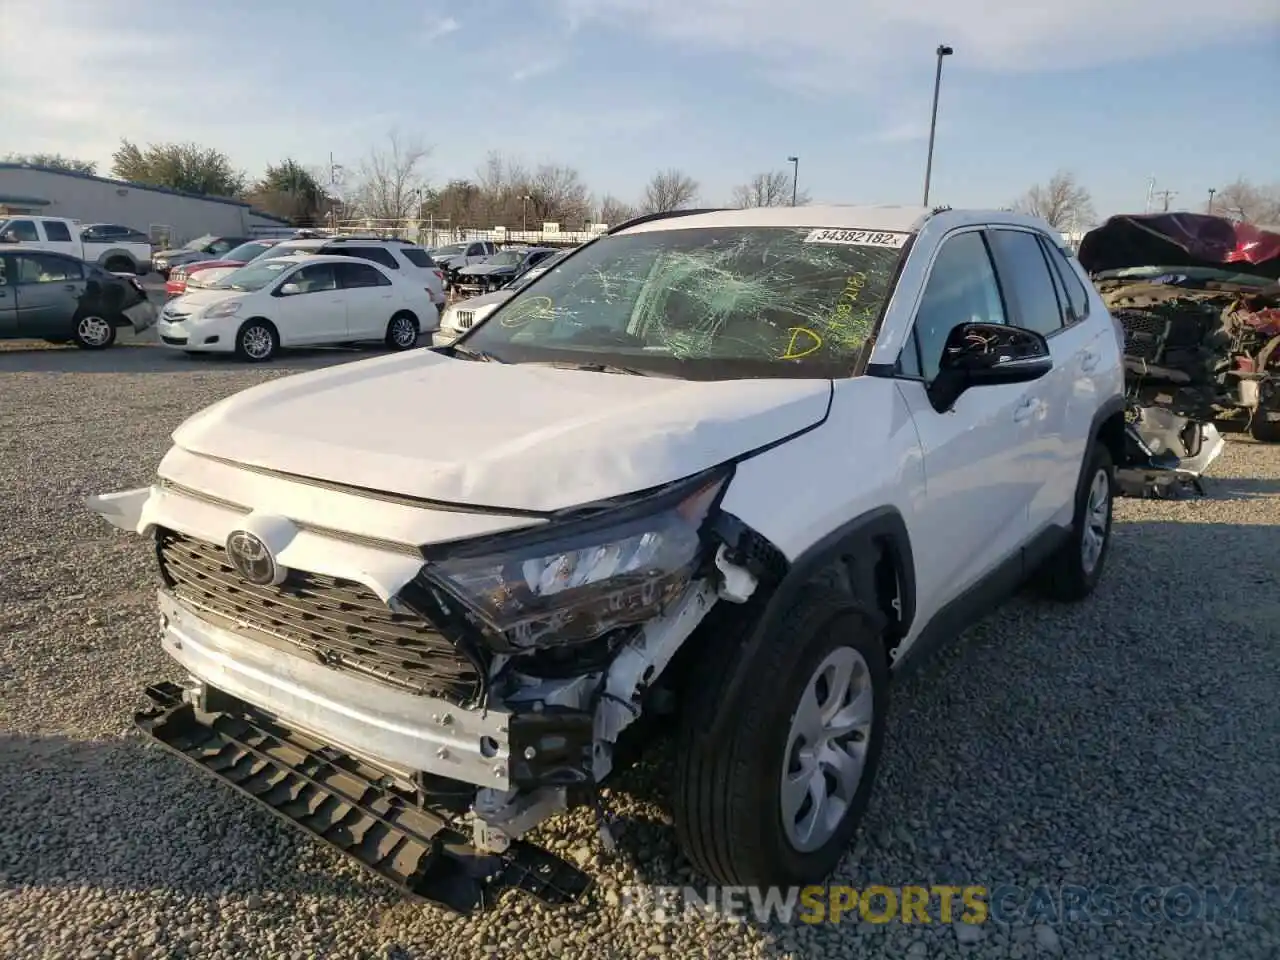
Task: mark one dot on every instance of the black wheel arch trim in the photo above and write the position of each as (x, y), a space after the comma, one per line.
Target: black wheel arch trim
(865, 537)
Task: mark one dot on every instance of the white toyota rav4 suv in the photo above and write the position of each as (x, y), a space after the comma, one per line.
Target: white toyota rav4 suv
(737, 468)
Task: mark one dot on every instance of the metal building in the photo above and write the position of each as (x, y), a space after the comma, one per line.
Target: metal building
(170, 217)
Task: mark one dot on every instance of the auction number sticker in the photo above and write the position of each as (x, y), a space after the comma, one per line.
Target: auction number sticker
(859, 238)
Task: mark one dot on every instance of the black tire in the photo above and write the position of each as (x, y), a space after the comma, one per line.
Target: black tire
(1262, 429)
(728, 792)
(257, 341)
(93, 331)
(1065, 576)
(398, 327)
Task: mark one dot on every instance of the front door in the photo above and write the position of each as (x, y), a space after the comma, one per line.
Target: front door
(48, 288)
(369, 298)
(978, 485)
(315, 312)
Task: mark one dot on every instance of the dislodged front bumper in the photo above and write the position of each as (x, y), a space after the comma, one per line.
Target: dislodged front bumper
(349, 805)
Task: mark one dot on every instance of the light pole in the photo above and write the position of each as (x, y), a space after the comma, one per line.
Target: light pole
(1212, 191)
(942, 51)
(524, 214)
(795, 176)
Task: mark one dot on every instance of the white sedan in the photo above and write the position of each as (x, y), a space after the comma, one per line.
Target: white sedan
(299, 301)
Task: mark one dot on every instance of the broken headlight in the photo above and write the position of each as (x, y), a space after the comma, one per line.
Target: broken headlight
(573, 584)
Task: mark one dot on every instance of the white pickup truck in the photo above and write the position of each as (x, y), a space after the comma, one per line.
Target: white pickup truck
(119, 251)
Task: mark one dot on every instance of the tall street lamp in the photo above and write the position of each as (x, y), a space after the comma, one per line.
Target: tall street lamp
(795, 176)
(942, 51)
(1212, 191)
(524, 214)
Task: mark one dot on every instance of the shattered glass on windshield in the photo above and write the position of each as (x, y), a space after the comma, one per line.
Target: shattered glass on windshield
(773, 294)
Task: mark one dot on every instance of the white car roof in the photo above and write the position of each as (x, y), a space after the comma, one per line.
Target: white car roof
(888, 218)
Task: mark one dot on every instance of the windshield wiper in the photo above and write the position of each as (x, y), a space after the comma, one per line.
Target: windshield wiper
(459, 350)
(596, 367)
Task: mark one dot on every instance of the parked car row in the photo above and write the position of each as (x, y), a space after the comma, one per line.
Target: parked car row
(462, 316)
(115, 248)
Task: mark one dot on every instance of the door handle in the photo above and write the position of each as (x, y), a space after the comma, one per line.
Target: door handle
(1026, 410)
(1090, 361)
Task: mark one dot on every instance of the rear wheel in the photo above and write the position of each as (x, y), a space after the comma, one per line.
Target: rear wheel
(119, 265)
(93, 332)
(776, 798)
(1075, 569)
(257, 341)
(402, 331)
(1262, 429)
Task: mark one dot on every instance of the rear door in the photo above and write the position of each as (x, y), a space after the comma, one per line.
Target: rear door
(8, 299)
(369, 297)
(316, 312)
(48, 288)
(1037, 302)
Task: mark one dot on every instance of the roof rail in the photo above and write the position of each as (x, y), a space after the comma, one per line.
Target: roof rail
(649, 217)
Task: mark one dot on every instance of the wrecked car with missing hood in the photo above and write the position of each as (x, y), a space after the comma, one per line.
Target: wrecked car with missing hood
(1199, 302)
(736, 468)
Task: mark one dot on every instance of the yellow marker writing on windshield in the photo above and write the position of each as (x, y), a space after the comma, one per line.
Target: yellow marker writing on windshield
(803, 342)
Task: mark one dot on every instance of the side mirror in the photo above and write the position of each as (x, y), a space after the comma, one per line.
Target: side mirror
(289, 290)
(11, 236)
(987, 354)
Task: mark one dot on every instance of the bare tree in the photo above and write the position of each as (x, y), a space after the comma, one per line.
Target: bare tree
(669, 190)
(614, 211)
(771, 189)
(1251, 204)
(558, 194)
(390, 180)
(1063, 203)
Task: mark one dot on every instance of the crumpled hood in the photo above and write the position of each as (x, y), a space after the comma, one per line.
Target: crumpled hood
(1180, 240)
(484, 300)
(516, 436)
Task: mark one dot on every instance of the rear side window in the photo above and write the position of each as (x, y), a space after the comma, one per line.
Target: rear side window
(351, 275)
(376, 254)
(1077, 298)
(419, 258)
(56, 231)
(476, 250)
(1024, 272)
(48, 268)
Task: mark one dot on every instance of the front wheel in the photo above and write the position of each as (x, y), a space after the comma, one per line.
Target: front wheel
(402, 332)
(94, 332)
(776, 798)
(1262, 429)
(256, 341)
(1074, 570)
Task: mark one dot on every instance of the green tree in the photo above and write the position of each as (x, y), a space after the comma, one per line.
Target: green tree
(290, 190)
(55, 161)
(178, 166)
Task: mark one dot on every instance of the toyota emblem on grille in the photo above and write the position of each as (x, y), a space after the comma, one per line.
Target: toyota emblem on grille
(251, 558)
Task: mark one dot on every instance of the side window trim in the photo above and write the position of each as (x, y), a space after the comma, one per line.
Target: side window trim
(1066, 275)
(1065, 310)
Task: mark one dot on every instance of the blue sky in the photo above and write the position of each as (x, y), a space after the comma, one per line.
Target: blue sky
(1114, 90)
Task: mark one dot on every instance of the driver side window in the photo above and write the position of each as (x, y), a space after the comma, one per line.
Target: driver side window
(961, 288)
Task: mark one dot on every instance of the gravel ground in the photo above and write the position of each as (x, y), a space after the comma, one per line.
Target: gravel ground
(1134, 740)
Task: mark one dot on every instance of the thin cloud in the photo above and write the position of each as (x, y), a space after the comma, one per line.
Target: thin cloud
(437, 28)
(535, 68)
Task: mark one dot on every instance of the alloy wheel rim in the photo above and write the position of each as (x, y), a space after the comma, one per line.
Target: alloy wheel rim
(402, 332)
(1097, 516)
(94, 331)
(257, 342)
(826, 750)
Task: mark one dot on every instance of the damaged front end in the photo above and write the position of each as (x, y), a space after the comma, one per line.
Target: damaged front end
(422, 711)
(1198, 303)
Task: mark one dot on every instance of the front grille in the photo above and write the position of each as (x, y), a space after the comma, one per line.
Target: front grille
(465, 319)
(343, 624)
(175, 341)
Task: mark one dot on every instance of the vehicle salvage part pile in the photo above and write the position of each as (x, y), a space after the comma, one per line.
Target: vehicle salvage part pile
(1199, 304)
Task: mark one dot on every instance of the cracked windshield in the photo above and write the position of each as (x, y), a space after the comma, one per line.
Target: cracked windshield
(722, 302)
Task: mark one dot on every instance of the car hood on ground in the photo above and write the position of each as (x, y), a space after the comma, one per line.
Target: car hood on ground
(484, 269)
(524, 437)
(1180, 240)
